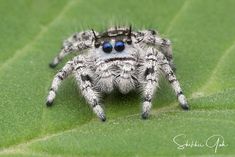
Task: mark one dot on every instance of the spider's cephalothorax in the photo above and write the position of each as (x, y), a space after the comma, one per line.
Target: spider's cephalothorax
(117, 59)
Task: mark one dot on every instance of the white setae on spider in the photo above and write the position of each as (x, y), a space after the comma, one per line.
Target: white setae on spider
(118, 58)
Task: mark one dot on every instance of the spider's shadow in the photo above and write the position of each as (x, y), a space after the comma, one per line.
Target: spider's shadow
(115, 104)
(118, 103)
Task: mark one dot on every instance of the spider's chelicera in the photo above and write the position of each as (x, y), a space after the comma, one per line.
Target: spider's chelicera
(118, 58)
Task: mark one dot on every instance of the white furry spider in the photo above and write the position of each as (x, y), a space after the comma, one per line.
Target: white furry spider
(117, 59)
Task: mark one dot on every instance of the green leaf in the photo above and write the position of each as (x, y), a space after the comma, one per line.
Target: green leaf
(203, 36)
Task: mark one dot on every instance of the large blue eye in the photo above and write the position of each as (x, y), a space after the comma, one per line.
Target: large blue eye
(107, 47)
(119, 46)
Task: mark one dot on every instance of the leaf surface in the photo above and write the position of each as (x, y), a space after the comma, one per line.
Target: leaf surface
(203, 36)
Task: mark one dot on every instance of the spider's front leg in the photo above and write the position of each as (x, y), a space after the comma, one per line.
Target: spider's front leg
(164, 45)
(170, 76)
(59, 77)
(84, 79)
(77, 42)
(151, 77)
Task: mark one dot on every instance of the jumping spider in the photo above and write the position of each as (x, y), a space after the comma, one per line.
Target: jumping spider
(118, 58)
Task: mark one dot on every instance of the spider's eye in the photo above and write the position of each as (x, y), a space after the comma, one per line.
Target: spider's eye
(119, 46)
(107, 47)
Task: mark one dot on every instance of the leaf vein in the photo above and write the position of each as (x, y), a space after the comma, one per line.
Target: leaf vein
(177, 16)
(23, 51)
(44, 30)
(24, 144)
(214, 71)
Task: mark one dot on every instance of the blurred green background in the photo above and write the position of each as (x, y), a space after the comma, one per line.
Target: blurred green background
(31, 32)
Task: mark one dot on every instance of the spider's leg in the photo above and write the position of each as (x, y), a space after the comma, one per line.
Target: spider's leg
(151, 77)
(164, 45)
(77, 42)
(170, 76)
(166, 49)
(83, 76)
(59, 77)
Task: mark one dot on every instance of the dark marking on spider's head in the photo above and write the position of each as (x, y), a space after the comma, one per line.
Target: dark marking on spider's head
(123, 34)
